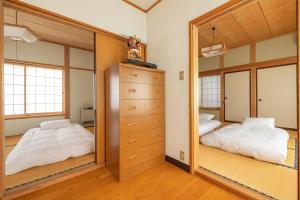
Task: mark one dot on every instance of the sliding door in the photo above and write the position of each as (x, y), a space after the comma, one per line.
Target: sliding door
(237, 96)
(277, 95)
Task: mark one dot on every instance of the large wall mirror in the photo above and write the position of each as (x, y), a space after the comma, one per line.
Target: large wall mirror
(49, 98)
(248, 131)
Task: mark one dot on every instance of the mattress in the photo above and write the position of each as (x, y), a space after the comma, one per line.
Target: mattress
(206, 126)
(261, 144)
(38, 148)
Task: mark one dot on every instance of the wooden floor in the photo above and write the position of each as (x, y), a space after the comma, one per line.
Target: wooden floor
(162, 182)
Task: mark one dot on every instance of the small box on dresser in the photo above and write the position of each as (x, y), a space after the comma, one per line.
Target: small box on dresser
(135, 119)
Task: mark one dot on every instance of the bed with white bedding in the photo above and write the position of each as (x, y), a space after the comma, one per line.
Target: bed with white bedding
(262, 143)
(42, 146)
(206, 126)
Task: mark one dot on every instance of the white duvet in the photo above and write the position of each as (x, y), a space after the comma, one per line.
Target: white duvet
(38, 148)
(206, 126)
(261, 144)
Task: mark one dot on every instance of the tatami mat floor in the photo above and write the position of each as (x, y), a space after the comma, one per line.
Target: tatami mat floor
(273, 180)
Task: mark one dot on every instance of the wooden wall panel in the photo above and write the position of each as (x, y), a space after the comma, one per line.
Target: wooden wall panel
(109, 51)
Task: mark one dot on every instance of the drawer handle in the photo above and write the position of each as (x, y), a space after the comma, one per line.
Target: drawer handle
(155, 78)
(131, 91)
(133, 75)
(132, 124)
(155, 120)
(131, 141)
(131, 108)
(132, 157)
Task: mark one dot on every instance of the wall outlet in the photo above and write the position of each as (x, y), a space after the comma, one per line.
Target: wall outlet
(181, 155)
(181, 75)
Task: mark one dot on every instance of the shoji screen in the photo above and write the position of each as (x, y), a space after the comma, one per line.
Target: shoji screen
(277, 95)
(237, 96)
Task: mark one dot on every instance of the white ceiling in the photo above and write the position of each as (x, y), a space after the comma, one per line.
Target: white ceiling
(144, 4)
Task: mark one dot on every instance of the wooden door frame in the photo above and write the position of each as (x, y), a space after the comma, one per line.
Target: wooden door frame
(193, 98)
(99, 132)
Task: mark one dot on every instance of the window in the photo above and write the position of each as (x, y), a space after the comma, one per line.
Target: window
(209, 92)
(30, 90)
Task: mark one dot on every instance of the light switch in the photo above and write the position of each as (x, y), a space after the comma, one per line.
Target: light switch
(181, 75)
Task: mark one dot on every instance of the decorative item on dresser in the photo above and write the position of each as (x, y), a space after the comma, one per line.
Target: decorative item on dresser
(134, 119)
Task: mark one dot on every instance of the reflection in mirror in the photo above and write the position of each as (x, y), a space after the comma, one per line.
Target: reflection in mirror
(48, 98)
(248, 128)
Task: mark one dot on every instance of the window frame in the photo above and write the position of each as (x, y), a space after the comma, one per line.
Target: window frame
(43, 114)
(220, 92)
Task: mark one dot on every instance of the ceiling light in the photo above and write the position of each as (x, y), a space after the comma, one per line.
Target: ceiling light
(19, 33)
(215, 49)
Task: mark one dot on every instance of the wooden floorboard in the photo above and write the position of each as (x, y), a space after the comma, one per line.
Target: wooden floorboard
(162, 182)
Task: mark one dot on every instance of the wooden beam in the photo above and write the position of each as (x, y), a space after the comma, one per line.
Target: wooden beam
(257, 65)
(153, 5)
(140, 8)
(221, 61)
(253, 89)
(222, 97)
(193, 92)
(66, 95)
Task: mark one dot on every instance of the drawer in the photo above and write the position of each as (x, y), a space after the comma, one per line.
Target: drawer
(128, 75)
(129, 108)
(140, 139)
(141, 123)
(141, 91)
(135, 157)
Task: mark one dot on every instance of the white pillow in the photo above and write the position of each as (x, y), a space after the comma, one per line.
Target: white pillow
(259, 123)
(55, 124)
(206, 116)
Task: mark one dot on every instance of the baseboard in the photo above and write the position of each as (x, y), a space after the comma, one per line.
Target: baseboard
(179, 164)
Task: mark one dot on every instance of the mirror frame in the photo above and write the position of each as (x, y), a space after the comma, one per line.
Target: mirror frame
(193, 97)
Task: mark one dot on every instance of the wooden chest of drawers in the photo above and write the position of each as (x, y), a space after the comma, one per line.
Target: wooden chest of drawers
(135, 129)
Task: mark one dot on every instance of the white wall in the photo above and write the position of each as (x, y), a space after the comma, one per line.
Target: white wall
(279, 47)
(81, 58)
(167, 35)
(20, 126)
(112, 15)
(81, 92)
(40, 52)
